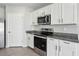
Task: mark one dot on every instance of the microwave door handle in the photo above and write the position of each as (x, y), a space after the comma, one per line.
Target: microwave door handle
(46, 19)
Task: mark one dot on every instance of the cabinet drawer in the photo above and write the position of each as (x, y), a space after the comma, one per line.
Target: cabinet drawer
(62, 42)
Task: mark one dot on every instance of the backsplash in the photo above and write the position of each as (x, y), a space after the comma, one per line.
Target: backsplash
(59, 28)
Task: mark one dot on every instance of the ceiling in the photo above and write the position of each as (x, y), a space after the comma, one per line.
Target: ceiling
(32, 6)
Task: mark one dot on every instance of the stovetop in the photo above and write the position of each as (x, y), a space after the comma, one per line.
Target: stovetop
(44, 33)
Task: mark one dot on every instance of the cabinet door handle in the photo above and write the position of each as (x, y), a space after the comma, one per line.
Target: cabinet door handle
(72, 53)
(66, 42)
(56, 48)
(9, 31)
(62, 20)
(59, 20)
(59, 48)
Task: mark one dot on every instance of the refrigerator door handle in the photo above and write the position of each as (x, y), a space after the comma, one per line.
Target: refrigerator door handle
(9, 31)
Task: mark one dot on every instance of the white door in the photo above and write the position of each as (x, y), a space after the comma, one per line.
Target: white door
(66, 48)
(67, 13)
(52, 45)
(14, 29)
(55, 13)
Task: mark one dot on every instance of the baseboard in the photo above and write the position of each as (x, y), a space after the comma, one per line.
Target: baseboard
(15, 47)
(24, 45)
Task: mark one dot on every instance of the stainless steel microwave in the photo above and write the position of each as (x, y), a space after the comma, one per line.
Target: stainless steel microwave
(44, 20)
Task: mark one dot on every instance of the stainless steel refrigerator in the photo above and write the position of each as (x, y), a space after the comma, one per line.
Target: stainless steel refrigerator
(2, 33)
(2, 26)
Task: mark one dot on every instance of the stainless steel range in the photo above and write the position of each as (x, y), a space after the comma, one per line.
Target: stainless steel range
(40, 42)
(40, 45)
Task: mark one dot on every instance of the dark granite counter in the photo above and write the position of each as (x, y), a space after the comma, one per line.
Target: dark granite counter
(60, 36)
(66, 39)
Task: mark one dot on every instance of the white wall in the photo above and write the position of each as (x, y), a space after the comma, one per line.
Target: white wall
(60, 28)
(27, 26)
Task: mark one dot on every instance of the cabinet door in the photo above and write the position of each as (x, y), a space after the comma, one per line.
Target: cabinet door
(34, 18)
(30, 41)
(76, 50)
(1, 12)
(55, 13)
(67, 13)
(52, 45)
(47, 10)
(66, 48)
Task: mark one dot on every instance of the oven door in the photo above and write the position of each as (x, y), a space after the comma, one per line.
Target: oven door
(40, 43)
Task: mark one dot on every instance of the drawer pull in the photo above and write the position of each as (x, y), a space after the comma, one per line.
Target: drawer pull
(56, 48)
(66, 42)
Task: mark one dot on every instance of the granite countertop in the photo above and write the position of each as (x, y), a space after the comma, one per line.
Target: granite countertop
(60, 36)
(66, 39)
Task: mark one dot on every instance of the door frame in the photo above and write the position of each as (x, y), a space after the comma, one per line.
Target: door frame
(4, 26)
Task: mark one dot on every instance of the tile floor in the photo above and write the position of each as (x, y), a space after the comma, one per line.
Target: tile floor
(17, 52)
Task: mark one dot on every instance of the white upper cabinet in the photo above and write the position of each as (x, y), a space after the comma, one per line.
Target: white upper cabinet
(61, 13)
(47, 10)
(40, 12)
(55, 13)
(1, 13)
(67, 13)
(44, 11)
(34, 17)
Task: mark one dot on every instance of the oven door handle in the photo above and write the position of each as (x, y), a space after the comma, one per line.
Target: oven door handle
(40, 36)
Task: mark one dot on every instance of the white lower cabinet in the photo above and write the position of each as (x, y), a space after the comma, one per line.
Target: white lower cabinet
(66, 48)
(76, 49)
(30, 40)
(56, 47)
(52, 46)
